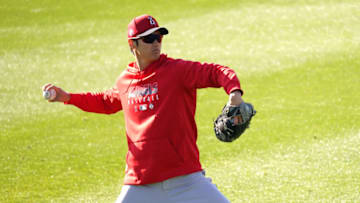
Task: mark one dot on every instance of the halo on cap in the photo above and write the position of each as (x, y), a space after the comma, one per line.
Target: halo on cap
(162, 30)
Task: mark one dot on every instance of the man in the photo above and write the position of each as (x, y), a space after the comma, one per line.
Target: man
(158, 97)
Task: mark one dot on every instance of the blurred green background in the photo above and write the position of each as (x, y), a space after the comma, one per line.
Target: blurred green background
(298, 63)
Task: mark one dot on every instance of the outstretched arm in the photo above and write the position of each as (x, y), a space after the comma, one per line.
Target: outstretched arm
(202, 75)
(107, 102)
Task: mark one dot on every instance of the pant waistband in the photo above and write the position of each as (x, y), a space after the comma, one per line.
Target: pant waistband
(182, 180)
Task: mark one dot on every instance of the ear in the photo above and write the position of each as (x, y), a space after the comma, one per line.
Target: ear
(131, 43)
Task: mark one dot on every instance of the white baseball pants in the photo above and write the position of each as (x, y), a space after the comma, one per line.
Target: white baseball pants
(192, 188)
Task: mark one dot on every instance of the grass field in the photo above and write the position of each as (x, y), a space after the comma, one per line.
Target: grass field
(298, 63)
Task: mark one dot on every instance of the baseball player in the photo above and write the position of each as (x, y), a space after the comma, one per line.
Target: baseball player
(158, 97)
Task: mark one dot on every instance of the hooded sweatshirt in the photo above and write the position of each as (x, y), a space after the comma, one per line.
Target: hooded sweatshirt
(159, 108)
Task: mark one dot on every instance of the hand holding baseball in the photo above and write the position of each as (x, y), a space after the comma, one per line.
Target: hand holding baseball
(53, 93)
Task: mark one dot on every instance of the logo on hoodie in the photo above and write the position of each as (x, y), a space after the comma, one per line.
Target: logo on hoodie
(144, 96)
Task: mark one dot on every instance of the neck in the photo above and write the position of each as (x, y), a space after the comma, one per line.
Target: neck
(142, 64)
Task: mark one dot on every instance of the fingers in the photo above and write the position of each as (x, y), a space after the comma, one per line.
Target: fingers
(60, 94)
(47, 87)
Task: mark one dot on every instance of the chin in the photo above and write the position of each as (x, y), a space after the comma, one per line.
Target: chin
(155, 56)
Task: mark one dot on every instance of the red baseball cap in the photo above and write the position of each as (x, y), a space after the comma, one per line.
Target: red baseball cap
(144, 25)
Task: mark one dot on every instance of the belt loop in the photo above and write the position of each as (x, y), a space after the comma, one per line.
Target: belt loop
(165, 184)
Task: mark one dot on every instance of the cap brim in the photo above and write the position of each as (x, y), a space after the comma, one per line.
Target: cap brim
(162, 31)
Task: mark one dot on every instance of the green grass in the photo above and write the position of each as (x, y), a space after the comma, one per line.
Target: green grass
(298, 62)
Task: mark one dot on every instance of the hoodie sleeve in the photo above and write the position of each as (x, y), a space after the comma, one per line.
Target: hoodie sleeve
(202, 75)
(107, 102)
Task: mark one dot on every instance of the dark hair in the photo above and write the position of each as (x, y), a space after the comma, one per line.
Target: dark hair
(137, 44)
(136, 41)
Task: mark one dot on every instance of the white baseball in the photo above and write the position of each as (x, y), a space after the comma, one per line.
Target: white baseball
(49, 95)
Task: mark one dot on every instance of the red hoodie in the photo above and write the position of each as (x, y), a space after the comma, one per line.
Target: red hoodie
(159, 108)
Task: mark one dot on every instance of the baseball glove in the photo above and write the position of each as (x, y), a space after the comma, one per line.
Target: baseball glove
(233, 121)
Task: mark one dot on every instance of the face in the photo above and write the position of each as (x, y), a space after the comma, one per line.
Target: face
(145, 49)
